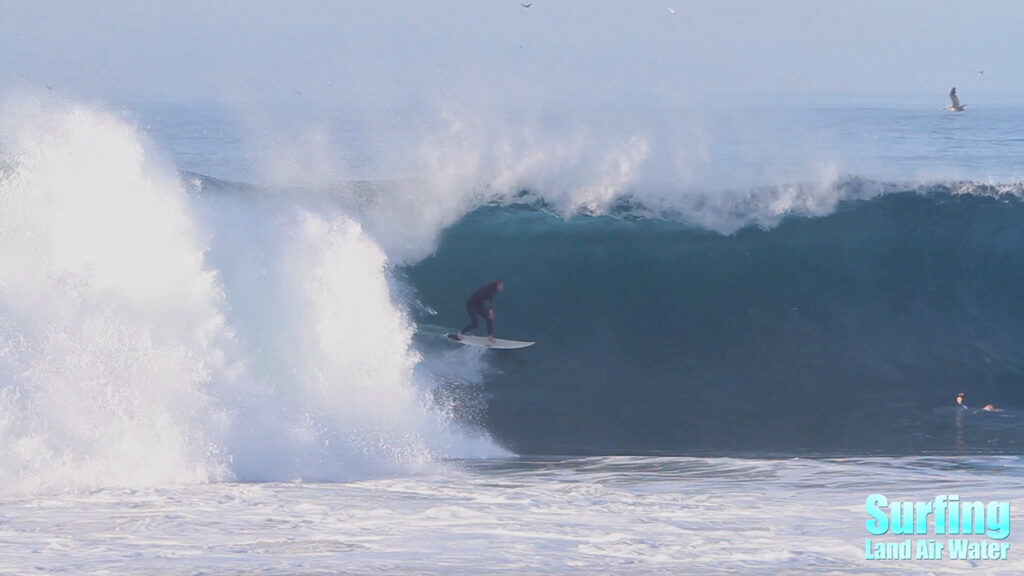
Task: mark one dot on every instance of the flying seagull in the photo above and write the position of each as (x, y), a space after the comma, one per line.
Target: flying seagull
(955, 106)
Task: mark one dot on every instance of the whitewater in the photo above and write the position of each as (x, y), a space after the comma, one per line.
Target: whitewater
(222, 351)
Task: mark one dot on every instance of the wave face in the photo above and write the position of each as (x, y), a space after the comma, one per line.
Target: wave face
(150, 335)
(849, 332)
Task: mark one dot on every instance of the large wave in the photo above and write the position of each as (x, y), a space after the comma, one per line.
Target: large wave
(845, 332)
(818, 315)
(158, 328)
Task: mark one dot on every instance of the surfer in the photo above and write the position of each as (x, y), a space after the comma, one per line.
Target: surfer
(961, 401)
(481, 303)
(961, 398)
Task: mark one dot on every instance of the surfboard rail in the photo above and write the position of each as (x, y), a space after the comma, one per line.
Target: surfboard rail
(497, 344)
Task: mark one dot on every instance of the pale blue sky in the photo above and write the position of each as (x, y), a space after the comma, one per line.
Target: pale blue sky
(393, 52)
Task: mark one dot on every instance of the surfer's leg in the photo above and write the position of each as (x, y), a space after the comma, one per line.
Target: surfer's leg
(490, 325)
(472, 320)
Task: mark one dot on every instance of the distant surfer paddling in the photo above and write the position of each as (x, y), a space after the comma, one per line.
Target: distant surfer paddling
(481, 303)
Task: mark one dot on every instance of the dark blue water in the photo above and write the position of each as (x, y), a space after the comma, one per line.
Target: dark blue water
(848, 333)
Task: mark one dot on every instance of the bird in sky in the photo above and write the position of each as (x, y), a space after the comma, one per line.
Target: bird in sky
(955, 105)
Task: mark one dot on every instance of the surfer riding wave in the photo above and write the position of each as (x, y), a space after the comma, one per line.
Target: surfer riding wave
(481, 303)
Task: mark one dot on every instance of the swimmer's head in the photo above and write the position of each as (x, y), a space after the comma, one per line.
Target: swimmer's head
(989, 408)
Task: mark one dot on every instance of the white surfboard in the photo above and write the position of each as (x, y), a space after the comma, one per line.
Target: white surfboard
(498, 343)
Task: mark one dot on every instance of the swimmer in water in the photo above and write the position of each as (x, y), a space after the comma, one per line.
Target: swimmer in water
(961, 399)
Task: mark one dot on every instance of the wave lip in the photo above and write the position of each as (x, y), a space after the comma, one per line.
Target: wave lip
(384, 205)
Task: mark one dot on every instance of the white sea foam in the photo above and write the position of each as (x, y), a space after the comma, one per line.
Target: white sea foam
(111, 325)
(618, 515)
(150, 336)
(330, 388)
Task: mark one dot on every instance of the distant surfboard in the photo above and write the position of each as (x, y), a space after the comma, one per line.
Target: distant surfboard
(485, 342)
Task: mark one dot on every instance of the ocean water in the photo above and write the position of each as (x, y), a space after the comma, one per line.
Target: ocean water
(222, 350)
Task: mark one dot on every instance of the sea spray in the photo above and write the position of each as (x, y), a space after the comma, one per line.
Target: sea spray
(149, 334)
(109, 322)
(335, 394)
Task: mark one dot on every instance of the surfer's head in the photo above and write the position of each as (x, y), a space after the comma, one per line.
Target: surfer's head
(499, 284)
(960, 398)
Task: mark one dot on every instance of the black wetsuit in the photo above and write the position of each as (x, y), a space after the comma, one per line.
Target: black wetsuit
(481, 303)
